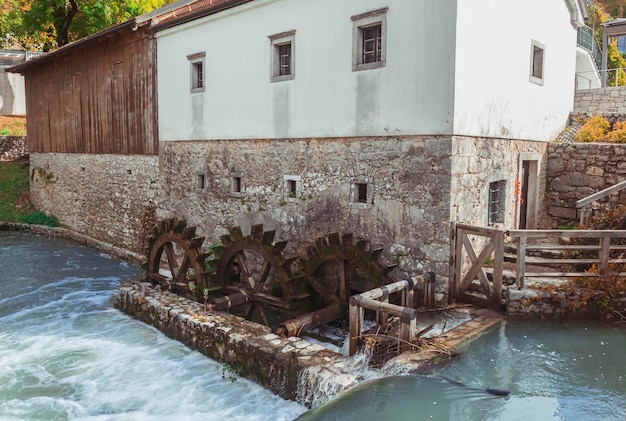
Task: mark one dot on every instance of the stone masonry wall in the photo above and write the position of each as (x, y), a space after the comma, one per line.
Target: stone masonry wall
(477, 162)
(576, 170)
(600, 101)
(406, 213)
(416, 187)
(108, 197)
(13, 147)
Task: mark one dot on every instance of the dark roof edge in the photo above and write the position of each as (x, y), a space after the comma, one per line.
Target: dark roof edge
(200, 14)
(19, 68)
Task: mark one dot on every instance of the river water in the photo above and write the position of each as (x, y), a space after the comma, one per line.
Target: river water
(67, 354)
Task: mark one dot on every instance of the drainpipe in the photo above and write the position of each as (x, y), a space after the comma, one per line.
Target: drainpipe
(573, 13)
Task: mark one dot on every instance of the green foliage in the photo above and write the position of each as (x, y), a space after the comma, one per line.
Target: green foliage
(14, 205)
(598, 15)
(13, 180)
(47, 24)
(38, 218)
(228, 372)
(594, 130)
(615, 8)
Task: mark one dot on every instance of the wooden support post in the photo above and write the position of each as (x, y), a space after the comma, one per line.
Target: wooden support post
(297, 326)
(521, 262)
(356, 315)
(605, 243)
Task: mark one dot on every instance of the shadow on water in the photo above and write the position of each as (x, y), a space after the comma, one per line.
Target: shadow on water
(554, 371)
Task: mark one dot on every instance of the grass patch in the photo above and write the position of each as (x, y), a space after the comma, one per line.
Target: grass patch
(12, 126)
(15, 205)
(13, 182)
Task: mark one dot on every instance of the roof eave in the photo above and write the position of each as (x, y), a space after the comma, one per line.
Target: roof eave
(22, 67)
(199, 14)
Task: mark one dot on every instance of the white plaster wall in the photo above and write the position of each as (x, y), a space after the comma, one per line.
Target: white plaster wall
(493, 94)
(413, 94)
(587, 76)
(12, 94)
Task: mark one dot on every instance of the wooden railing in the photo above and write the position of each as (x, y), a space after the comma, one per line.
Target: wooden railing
(605, 253)
(469, 264)
(584, 204)
(378, 300)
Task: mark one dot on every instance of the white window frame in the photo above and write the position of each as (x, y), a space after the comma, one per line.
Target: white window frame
(536, 46)
(288, 181)
(277, 41)
(196, 85)
(359, 24)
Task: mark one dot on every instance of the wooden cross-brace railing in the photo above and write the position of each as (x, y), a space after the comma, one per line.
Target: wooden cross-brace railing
(469, 265)
(378, 300)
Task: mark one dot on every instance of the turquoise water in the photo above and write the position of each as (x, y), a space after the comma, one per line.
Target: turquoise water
(67, 354)
(553, 371)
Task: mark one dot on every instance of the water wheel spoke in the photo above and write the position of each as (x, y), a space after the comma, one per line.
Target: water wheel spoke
(344, 281)
(245, 270)
(171, 259)
(174, 246)
(183, 269)
(261, 308)
(263, 275)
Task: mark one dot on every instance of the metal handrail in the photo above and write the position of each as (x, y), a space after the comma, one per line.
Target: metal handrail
(587, 40)
(616, 70)
(584, 203)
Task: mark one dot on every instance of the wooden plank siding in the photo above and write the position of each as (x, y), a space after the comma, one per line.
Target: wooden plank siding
(98, 97)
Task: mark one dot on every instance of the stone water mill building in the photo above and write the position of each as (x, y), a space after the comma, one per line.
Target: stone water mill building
(383, 119)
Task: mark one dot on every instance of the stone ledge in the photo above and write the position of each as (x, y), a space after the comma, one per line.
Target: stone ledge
(290, 367)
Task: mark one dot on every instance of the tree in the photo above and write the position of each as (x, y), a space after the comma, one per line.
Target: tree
(615, 8)
(47, 24)
(615, 60)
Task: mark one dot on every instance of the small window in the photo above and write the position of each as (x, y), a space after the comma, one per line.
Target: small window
(236, 184)
(369, 44)
(282, 56)
(201, 182)
(197, 73)
(497, 191)
(362, 191)
(293, 186)
(536, 62)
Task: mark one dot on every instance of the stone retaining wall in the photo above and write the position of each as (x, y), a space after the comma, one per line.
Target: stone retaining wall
(109, 197)
(545, 300)
(576, 170)
(290, 367)
(13, 147)
(600, 101)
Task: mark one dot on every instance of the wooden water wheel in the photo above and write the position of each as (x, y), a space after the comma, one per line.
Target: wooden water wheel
(176, 261)
(256, 278)
(337, 266)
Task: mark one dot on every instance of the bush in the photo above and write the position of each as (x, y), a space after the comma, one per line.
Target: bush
(618, 134)
(38, 218)
(594, 130)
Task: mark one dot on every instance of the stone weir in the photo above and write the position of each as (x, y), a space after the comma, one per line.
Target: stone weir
(291, 367)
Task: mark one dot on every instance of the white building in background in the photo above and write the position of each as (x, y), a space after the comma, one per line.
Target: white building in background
(12, 93)
(493, 68)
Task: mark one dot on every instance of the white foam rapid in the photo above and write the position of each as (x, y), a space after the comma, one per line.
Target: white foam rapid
(67, 354)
